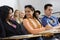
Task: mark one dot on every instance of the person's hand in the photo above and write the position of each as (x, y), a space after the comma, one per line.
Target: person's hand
(48, 34)
(47, 28)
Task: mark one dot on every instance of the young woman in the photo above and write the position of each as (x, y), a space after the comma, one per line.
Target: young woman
(16, 16)
(37, 15)
(11, 27)
(21, 16)
(30, 22)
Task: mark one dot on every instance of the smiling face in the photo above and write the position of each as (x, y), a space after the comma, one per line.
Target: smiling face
(21, 15)
(28, 12)
(37, 14)
(10, 14)
(17, 12)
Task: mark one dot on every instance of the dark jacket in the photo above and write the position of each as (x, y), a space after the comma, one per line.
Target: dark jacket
(11, 31)
(2, 30)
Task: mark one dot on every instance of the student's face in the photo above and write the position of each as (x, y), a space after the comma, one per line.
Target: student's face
(28, 12)
(10, 14)
(37, 14)
(22, 15)
(17, 13)
(48, 11)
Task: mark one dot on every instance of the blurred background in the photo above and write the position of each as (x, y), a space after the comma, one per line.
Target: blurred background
(38, 4)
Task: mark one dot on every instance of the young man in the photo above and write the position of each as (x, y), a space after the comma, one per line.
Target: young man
(49, 21)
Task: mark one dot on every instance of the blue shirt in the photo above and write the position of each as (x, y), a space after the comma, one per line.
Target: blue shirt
(53, 21)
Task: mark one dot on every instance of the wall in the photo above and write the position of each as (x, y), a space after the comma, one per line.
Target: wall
(12, 3)
(39, 4)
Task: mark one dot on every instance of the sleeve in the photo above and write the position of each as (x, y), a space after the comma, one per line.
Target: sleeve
(2, 31)
(58, 21)
(44, 22)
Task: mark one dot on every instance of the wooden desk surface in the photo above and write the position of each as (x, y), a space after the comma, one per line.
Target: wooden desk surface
(22, 36)
(31, 35)
(51, 31)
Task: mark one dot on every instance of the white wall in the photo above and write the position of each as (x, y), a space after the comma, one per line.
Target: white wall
(39, 4)
(56, 4)
(12, 3)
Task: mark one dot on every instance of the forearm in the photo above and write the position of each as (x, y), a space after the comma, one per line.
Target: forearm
(37, 31)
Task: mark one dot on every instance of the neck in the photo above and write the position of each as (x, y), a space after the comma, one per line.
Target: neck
(30, 17)
(38, 17)
(21, 19)
(48, 16)
(16, 17)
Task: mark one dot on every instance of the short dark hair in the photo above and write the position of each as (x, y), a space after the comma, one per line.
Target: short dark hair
(31, 7)
(37, 11)
(4, 11)
(46, 6)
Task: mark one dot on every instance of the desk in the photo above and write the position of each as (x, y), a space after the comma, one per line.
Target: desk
(31, 35)
(22, 36)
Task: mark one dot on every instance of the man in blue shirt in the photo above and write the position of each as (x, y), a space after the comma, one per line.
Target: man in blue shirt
(49, 21)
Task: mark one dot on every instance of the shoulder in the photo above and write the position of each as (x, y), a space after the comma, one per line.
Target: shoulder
(25, 20)
(44, 18)
(54, 17)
